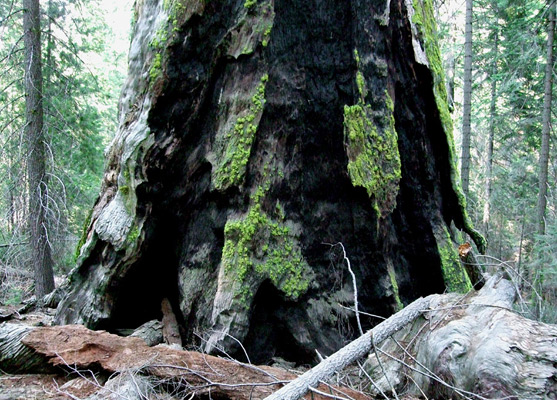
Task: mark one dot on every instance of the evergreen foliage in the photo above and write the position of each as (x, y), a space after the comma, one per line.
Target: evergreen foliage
(82, 73)
(510, 46)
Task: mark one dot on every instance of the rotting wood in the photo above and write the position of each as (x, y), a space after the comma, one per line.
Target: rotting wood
(447, 346)
(473, 346)
(81, 348)
(170, 330)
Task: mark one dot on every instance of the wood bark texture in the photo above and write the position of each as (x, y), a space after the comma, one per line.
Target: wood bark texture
(472, 346)
(41, 257)
(39, 349)
(492, 124)
(546, 121)
(251, 134)
(443, 346)
(467, 99)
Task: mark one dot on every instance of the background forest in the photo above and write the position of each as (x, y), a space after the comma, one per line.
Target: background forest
(84, 59)
(83, 67)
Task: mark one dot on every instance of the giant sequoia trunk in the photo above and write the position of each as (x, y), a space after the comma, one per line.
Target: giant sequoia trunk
(252, 135)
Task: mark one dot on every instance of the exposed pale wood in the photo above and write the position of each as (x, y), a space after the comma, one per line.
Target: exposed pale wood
(150, 331)
(170, 330)
(473, 346)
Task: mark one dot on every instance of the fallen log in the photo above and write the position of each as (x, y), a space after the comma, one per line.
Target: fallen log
(474, 346)
(453, 346)
(75, 347)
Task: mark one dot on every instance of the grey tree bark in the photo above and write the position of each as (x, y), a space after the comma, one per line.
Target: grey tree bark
(467, 101)
(36, 163)
(546, 120)
(491, 134)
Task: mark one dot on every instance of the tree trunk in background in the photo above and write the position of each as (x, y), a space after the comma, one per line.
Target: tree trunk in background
(36, 162)
(467, 100)
(252, 136)
(491, 135)
(546, 123)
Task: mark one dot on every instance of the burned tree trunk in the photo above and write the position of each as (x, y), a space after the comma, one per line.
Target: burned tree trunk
(251, 135)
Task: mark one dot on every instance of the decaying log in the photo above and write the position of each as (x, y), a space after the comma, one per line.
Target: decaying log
(150, 331)
(125, 386)
(76, 347)
(15, 357)
(472, 346)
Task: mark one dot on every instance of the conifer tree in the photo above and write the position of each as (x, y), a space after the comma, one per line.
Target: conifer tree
(467, 102)
(36, 164)
(546, 121)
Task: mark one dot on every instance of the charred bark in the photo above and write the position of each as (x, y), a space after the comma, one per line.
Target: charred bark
(252, 133)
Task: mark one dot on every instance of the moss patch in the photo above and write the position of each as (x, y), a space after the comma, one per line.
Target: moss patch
(372, 149)
(155, 72)
(360, 80)
(394, 287)
(454, 274)
(424, 19)
(267, 34)
(249, 4)
(260, 246)
(231, 166)
(83, 237)
(176, 10)
(253, 27)
(133, 235)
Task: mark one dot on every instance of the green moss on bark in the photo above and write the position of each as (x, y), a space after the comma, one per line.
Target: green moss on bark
(424, 19)
(454, 274)
(155, 72)
(249, 4)
(83, 237)
(133, 235)
(259, 246)
(394, 286)
(372, 149)
(231, 166)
